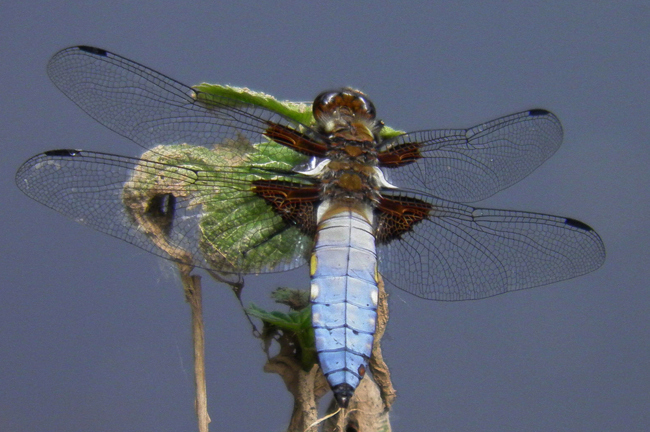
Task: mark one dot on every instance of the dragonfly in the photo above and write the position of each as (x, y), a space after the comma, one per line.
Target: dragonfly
(236, 182)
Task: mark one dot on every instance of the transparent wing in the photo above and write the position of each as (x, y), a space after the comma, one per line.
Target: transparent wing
(467, 165)
(179, 212)
(463, 253)
(152, 109)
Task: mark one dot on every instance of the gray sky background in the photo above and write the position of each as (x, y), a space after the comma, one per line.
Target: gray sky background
(94, 333)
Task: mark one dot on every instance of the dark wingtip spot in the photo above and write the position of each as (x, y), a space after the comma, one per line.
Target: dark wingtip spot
(538, 112)
(62, 152)
(93, 50)
(343, 393)
(577, 224)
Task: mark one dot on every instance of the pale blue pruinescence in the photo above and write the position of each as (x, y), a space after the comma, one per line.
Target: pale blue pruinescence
(344, 293)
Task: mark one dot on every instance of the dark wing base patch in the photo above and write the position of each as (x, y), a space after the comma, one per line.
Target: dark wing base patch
(398, 215)
(296, 205)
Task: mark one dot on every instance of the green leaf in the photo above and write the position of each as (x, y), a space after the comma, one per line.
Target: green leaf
(240, 232)
(300, 112)
(296, 322)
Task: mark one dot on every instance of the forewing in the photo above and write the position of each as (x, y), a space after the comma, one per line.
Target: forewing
(463, 253)
(183, 212)
(152, 109)
(466, 165)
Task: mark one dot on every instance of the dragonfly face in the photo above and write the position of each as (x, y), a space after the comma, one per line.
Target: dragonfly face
(219, 187)
(346, 115)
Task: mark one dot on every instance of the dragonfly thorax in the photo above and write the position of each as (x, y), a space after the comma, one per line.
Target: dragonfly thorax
(350, 180)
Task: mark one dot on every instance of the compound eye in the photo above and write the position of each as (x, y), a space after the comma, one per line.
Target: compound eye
(346, 99)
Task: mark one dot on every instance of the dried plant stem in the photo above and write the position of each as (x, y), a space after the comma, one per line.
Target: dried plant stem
(192, 288)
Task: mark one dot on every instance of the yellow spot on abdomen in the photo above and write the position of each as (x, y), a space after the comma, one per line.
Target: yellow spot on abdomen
(313, 265)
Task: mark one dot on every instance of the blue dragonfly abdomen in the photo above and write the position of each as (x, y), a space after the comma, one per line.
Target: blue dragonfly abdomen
(344, 294)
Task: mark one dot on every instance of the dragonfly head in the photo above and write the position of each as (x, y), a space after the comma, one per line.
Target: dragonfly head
(347, 114)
